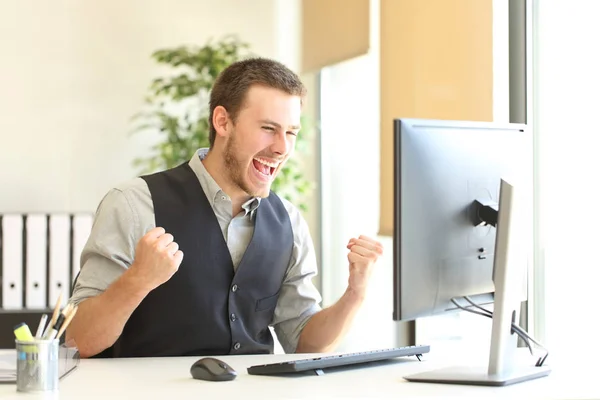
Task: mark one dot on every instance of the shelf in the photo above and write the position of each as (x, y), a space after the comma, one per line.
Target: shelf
(10, 318)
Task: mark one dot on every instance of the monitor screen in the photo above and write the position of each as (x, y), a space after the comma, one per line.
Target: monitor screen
(447, 178)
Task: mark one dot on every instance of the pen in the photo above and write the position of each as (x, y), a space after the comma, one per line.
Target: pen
(54, 315)
(40, 329)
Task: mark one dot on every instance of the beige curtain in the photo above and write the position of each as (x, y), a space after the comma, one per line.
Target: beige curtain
(333, 31)
(436, 62)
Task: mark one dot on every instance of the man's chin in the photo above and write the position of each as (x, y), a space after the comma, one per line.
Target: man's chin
(261, 192)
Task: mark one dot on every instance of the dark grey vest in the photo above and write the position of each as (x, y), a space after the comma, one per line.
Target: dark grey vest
(206, 309)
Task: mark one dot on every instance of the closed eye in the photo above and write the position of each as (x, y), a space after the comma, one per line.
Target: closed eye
(292, 133)
(268, 128)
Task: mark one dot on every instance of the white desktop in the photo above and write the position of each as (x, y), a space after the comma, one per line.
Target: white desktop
(169, 378)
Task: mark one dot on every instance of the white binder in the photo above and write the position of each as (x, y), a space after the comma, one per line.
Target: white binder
(59, 265)
(35, 261)
(12, 261)
(82, 226)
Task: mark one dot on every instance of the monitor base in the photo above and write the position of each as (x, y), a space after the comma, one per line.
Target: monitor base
(479, 376)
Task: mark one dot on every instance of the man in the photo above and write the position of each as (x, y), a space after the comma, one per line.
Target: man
(201, 259)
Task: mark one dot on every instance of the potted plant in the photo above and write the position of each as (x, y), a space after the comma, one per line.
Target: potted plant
(176, 107)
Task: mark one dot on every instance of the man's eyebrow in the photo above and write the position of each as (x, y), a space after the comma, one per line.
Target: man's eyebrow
(277, 125)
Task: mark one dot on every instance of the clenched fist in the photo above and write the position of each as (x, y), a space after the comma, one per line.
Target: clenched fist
(363, 254)
(157, 258)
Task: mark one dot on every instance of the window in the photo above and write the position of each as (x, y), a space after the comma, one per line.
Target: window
(566, 84)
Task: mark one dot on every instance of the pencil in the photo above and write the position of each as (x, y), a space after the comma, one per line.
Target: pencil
(67, 322)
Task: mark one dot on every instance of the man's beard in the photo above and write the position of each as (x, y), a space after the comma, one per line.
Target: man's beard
(236, 170)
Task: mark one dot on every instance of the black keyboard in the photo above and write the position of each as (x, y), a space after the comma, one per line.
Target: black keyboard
(317, 364)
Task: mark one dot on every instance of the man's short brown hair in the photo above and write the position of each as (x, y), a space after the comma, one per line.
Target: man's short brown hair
(231, 86)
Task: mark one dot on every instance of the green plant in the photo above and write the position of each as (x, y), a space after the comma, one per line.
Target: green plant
(177, 109)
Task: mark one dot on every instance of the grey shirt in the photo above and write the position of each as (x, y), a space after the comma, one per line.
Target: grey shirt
(126, 213)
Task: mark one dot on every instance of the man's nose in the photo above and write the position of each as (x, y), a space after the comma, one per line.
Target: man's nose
(280, 143)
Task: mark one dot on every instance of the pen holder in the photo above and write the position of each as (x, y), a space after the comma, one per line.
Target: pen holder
(37, 365)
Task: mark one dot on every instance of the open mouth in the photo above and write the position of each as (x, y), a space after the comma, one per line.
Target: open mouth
(265, 167)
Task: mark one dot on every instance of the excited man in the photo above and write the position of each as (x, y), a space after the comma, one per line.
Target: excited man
(203, 258)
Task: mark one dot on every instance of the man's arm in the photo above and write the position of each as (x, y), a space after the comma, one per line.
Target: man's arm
(100, 319)
(324, 330)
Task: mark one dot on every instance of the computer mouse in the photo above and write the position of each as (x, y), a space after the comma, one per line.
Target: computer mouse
(212, 369)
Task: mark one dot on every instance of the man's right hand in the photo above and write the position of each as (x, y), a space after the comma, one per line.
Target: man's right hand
(157, 258)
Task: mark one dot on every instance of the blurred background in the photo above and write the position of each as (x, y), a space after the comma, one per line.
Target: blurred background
(73, 74)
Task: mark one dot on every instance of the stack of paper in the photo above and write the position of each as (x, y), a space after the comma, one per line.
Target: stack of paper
(8, 367)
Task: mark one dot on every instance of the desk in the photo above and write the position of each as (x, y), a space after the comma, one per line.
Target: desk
(169, 378)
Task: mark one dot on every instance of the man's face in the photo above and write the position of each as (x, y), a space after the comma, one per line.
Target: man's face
(263, 138)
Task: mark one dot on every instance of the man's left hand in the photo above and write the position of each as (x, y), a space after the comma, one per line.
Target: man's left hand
(364, 252)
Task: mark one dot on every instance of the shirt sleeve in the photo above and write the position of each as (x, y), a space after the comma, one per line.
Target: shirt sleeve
(298, 298)
(110, 247)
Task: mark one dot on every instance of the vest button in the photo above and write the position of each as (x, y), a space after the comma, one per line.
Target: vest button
(237, 346)
(234, 288)
(233, 317)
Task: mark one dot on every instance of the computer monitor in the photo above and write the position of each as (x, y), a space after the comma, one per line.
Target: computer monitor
(444, 172)
(460, 230)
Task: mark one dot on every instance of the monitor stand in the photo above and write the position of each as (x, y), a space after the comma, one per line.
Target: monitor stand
(510, 267)
(479, 376)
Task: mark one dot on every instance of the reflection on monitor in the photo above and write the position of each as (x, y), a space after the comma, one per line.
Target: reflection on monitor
(461, 230)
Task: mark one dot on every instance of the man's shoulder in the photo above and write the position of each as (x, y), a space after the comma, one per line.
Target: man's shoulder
(128, 200)
(133, 189)
(130, 195)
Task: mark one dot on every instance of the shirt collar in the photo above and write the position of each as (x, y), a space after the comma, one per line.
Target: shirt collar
(211, 188)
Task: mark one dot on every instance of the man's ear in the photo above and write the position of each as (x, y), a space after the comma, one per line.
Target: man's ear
(221, 121)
